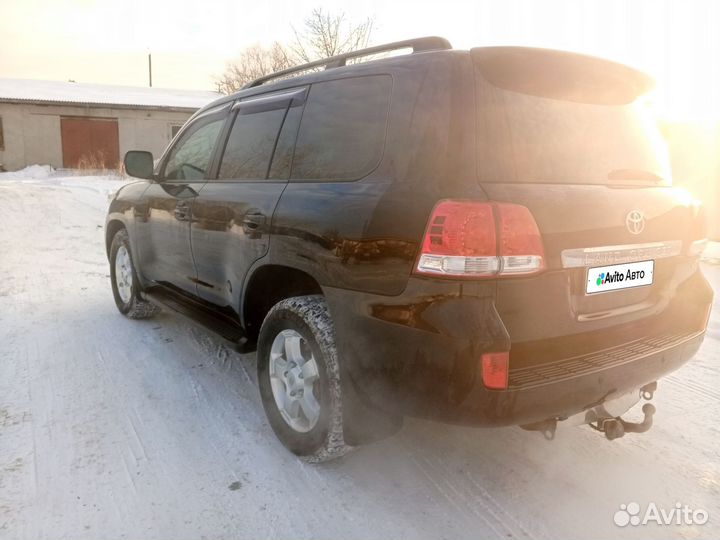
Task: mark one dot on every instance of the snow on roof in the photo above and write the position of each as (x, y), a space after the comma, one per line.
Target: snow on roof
(32, 91)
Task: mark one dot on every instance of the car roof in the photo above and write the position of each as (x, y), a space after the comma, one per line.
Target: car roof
(336, 67)
(429, 48)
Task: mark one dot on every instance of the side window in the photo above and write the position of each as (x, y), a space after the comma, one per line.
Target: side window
(250, 144)
(282, 159)
(190, 157)
(342, 133)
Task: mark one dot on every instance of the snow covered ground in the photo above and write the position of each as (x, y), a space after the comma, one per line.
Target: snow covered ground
(115, 428)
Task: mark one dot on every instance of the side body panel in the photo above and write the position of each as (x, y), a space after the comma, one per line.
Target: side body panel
(163, 221)
(364, 234)
(232, 216)
(230, 231)
(162, 234)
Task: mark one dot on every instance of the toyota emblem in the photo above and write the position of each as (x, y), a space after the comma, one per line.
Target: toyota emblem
(635, 222)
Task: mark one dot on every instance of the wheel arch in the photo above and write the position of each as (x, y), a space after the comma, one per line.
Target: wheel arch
(113, 225)
(267, 285)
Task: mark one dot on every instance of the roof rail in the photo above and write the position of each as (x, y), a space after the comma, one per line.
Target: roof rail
(430, 43)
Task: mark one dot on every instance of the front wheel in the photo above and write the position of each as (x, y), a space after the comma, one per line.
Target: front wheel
(125, 283)
(299, 378)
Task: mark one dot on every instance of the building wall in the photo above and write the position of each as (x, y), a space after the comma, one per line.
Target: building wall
(32, 132)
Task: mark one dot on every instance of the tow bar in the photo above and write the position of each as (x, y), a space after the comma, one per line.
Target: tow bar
(614, 428)
(605, 417)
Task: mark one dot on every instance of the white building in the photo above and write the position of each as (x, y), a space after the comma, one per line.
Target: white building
(67, 124)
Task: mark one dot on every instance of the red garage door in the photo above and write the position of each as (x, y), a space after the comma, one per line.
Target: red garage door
(90, 142)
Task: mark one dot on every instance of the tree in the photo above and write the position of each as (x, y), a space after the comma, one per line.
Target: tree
(322, 35)
(254, 62)
(325, 34)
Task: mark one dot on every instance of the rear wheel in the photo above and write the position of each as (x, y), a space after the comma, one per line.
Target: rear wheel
(299, 378)
(125, 284)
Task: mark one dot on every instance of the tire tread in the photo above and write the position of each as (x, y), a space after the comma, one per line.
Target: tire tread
(313, 309)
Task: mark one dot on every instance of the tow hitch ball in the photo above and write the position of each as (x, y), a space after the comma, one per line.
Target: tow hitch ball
(614, 428)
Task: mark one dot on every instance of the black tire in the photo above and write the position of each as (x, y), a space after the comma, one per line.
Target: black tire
(309, 317)
(135, 307)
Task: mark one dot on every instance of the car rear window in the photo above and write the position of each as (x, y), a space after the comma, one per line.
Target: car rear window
(553, 117)
(342, 132)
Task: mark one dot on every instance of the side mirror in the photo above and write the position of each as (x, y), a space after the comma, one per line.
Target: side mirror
(139, 164)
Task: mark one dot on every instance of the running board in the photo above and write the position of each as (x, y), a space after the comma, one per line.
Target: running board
(195, 311)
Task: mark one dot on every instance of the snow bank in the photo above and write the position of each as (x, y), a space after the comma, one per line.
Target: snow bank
(33, 171)
(77, 181)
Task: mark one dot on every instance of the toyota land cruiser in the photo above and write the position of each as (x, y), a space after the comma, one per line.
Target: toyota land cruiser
(486, 237)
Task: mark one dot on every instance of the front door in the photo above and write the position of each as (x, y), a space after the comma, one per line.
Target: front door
(163, 223)
(233, 213)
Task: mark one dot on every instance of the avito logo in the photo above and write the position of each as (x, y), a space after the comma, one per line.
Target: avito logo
(681, 514)
(619, 276)
(616, 276)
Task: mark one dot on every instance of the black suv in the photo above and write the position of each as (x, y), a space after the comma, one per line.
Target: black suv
(484, 237)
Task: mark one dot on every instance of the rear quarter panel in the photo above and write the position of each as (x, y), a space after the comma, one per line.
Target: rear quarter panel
(364, 235)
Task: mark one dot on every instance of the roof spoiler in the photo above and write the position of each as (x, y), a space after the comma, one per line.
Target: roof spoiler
(430, 43)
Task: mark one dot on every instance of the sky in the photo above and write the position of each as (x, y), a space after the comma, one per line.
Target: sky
(107, 41)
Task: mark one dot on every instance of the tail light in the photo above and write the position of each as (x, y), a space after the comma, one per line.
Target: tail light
(481, 239)
(495, 368)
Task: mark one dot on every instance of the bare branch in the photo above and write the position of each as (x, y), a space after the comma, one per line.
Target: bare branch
(323, 34)
(254, 62)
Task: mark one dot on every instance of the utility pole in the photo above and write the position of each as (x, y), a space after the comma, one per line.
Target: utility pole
(150, 68)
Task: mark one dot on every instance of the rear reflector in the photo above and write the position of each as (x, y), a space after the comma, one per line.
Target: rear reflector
(481, 239)
(495, 368)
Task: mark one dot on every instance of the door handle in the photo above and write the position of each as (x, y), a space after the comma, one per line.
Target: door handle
(182, 210)
(253, 222)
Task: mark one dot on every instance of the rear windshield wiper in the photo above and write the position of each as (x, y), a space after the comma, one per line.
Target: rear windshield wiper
(634, 174)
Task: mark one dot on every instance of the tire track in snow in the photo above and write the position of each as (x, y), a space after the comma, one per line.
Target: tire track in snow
(466, 495)
(695, 386)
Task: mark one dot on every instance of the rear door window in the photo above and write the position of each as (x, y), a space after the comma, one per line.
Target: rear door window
(282, 158)
(342, 132)
(250, 145)
(262, 137)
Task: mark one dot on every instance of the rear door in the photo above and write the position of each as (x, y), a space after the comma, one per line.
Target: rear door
(232, 214)
(162, 222)
(571, 138)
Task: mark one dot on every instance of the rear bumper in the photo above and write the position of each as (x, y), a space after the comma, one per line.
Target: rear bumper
(418, 355)
(554, 391)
